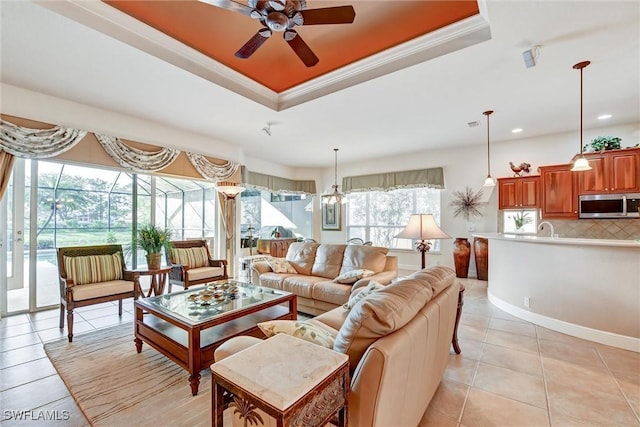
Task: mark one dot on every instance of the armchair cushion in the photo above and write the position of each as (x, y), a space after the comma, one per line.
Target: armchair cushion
(101, 289)
(93, 268)
(190, 257)
(200, 273)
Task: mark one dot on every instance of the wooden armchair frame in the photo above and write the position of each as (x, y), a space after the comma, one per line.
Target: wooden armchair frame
(66, 283)
(178, 274)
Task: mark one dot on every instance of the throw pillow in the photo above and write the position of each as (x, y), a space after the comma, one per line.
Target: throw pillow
(353, 276)
(295, 328)
(280, 265)
(93, 268)
(355, 297)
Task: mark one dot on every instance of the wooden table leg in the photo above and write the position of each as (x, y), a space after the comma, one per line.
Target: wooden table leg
(454, 341)
(217, 412)
(162, 282)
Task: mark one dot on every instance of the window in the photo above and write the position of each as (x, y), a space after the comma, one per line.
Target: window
(377, 216)
(264, 211)
(520, 222)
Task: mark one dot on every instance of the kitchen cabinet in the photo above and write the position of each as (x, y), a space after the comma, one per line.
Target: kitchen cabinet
(615, 171)
(559, 195)
(518, 192)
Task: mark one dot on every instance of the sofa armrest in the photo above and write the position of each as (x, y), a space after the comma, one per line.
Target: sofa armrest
(132, 276)
(217, 262)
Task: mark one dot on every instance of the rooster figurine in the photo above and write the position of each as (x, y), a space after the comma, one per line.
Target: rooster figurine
(521, 168)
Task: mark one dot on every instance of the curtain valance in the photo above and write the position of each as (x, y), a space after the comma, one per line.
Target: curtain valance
(136, 159)
(276, 184)
(433, 178)
(37, 143)
(212, 171)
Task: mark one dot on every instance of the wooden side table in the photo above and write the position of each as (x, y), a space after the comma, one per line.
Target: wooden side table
(454, 340)
(158, 280)
(293, 381)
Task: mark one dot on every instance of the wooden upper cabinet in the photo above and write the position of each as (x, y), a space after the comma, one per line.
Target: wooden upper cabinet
(559, 196)
(518, 192)
(615, 171)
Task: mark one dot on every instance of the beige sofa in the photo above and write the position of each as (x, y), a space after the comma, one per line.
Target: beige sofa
(317, 265)
(398, 340)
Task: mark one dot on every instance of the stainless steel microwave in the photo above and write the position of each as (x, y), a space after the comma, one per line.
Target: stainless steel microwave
(610, 205)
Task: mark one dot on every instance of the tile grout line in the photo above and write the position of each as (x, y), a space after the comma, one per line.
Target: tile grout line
(624, 395)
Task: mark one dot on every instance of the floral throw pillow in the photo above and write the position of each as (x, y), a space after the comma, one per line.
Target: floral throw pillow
(295, 328)
(280, 265)
(353, 276)
(354, 298)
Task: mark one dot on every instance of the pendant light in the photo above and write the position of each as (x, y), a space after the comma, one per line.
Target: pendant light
(581, 163)
(334, 196)
(489, 182)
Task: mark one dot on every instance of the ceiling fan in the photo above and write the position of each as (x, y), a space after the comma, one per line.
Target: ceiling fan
(282, 16)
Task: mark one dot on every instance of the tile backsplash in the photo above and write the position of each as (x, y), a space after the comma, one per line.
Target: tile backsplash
(620, 229)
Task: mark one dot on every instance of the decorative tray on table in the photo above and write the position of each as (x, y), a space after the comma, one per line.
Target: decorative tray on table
(214, 293)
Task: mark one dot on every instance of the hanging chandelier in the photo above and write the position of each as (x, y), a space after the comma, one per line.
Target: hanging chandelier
(488, 182)
(581, 163)
(334, 196)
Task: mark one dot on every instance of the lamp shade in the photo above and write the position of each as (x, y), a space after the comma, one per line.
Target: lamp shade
(422, 227)
(229, 189)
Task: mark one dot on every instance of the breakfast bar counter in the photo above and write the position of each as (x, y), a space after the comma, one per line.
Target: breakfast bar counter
(588, 288)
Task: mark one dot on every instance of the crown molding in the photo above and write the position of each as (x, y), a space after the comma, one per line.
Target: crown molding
(114, 23)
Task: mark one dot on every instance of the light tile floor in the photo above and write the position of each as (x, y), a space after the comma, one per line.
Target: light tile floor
(510, 372)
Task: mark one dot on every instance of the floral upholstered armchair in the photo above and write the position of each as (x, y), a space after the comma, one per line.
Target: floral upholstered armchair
(192, 264)
(92, 275)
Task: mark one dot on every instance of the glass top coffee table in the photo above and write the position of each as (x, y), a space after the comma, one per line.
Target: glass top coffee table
(188, 326)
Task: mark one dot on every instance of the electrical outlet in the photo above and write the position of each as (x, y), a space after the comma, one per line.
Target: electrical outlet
(527, 302)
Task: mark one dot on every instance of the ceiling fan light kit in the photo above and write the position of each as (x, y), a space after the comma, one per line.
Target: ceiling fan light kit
(282, 16)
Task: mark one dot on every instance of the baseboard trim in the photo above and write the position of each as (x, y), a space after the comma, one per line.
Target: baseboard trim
(590, 334)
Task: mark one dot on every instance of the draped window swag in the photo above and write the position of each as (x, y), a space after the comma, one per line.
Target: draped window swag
(37, 143)
(136, 159)
(212, 171)
(276, 184)
(432, 178)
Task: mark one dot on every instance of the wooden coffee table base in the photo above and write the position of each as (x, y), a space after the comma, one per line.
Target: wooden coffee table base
(191, 345)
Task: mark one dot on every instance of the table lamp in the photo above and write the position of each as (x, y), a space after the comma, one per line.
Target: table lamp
(422, 227)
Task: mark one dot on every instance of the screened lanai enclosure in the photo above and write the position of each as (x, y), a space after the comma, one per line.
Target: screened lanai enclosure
(52, 204)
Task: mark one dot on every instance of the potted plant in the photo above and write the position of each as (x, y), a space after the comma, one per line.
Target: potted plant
(602, 143)
(152, 239)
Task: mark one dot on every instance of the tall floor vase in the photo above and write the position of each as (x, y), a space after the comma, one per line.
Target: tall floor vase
(461, 256)
(481, 254)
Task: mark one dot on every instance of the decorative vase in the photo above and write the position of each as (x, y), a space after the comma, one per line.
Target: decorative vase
(461, 256)
(481, 254)
(154, 261)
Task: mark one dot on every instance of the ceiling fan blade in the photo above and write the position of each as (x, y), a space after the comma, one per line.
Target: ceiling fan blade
(253, 44)
(231, 5)
(329, 15)
(301, 49)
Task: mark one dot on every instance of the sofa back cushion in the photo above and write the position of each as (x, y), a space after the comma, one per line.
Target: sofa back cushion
(93, 268)
(371, 258)
(190, 257)
(379, 314)
(301, 256)
(328, 261)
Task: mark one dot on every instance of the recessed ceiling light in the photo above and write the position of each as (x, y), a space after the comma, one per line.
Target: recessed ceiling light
(604, 117)
(516, 130)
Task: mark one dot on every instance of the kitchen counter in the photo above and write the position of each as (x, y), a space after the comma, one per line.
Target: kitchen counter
(560, 240)
(588, 288)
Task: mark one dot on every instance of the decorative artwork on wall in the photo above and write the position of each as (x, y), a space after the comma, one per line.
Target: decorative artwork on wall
(331, 216)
